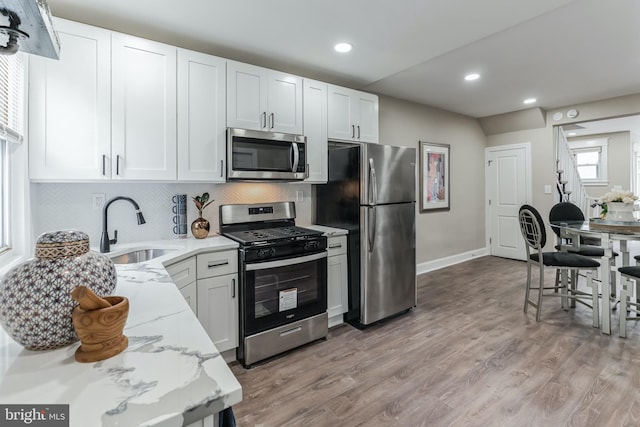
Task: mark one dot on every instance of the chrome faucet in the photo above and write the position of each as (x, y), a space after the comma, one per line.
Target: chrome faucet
(105, 243)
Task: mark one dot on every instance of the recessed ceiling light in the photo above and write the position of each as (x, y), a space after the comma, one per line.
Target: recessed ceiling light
(571, 134)
(530, 100)
(471, 77)
(343, 47)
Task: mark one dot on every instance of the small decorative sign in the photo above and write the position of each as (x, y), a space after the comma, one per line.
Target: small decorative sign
(288, 299)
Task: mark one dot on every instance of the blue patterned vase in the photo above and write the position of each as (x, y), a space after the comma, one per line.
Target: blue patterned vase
(35, 297)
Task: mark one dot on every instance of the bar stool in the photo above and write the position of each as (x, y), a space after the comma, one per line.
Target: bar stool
(588, 246)
(629, 273)
(534, 234)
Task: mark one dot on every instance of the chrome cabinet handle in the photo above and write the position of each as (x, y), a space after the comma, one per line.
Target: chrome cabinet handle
(217, 264)
(306, 172)
(353, 131)
(233, 288)
(117, 164)
(221, 167)
(264, 119)
(271, 120)
(339, 245)
(358, 131)
(104, 162)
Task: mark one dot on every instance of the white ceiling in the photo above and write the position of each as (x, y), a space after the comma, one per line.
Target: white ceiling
(561, 52)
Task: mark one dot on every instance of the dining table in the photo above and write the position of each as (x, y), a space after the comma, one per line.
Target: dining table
(607, 231)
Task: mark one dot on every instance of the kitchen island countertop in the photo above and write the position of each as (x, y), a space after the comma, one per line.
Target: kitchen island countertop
(170, 374)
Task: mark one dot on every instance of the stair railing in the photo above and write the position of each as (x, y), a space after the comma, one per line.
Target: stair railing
(569, 186)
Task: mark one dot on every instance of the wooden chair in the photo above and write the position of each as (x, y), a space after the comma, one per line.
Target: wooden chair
(535, 237)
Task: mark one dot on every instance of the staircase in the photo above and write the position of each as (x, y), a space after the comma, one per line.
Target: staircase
(569, 186)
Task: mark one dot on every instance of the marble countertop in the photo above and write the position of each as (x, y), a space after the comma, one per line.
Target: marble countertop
(170, 374)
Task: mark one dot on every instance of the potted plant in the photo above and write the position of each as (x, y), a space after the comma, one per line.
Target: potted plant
(200, 227)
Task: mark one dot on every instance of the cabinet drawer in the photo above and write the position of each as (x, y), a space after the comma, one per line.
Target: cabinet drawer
(183, 272)
(217, 263)
(337, 245)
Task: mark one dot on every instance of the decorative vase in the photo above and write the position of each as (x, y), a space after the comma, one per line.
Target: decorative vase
(35, 297)
(618, 211)
(200, 227)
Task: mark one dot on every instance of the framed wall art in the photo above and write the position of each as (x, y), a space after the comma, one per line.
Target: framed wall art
(434, 176)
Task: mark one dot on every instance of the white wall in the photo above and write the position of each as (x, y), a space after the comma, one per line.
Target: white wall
(462, 229)
(68, 206)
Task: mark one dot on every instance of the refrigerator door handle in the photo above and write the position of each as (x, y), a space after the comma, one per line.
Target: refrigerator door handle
(371, 235)
(373, 184)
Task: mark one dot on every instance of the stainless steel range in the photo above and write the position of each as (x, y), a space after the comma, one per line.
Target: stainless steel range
(282, 277)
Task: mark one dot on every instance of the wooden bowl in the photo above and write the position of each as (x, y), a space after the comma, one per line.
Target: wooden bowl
(100, 331)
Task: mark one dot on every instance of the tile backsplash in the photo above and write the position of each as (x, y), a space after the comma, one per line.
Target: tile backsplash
(69, 206)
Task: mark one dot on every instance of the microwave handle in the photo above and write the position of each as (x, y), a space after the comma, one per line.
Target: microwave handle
(295, 155)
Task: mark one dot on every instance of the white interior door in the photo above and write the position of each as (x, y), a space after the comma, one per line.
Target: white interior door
(508, 177)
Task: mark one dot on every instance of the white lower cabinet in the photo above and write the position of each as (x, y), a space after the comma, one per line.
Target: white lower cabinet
(189, 292)
(337, 279)
(217, 293)
(183, 273)
(218, 310)
(209, 283)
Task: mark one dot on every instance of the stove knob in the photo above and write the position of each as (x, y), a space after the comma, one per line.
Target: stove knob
(272, 251)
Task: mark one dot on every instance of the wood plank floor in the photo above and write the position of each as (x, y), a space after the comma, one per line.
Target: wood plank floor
(467, 355)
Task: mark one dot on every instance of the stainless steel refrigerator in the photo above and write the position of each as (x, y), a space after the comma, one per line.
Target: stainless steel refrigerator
(371, 193)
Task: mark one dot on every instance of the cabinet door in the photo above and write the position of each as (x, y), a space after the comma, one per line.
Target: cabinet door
(284, 106)
(189, 292)
(337, 301)
(367, 122)
(315, 129)
(70, 107)
(246, 96)
(201, 117)
(218, 310)
(340, 113)
(143, 109)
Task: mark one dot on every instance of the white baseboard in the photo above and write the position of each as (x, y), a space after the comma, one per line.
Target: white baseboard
(425, 267)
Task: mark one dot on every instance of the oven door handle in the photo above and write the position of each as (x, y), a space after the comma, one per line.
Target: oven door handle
(284, 262)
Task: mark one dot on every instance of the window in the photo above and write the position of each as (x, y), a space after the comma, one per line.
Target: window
(12, 78)
(591, 160)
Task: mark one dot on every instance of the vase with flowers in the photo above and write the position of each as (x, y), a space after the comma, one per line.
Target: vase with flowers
(200, 227)
(618, 205)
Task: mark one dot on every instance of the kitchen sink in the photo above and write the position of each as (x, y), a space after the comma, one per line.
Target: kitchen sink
(140, 255)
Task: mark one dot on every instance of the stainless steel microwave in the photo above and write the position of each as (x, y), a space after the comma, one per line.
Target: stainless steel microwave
(259, 155)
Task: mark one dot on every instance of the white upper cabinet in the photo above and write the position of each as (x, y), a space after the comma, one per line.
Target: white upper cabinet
(353, 115)
(263, 99)
(315, 129)
(201, 117)
(69, 107)
(143, 109)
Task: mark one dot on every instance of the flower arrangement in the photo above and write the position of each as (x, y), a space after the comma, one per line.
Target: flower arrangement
(618, 196)
(615, 196)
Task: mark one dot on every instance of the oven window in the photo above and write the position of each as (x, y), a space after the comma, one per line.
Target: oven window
(285, 288)
(256, 154)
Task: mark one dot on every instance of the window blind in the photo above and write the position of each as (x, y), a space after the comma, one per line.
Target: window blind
(12, 97)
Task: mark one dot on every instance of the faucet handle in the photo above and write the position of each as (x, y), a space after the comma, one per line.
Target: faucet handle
(115, 237)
